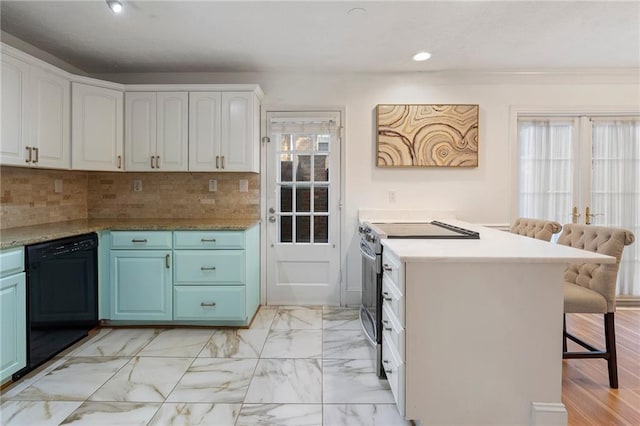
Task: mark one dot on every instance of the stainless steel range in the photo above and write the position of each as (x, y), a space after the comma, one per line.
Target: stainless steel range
(371, 235)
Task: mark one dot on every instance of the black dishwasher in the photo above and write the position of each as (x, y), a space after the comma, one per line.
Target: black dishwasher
(62, 296)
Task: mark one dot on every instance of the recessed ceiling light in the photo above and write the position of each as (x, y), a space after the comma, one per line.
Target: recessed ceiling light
(421, 56)
(357, 11)
(115, 6)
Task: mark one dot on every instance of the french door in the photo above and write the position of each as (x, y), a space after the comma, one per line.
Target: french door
(586, 170)
(303, 207)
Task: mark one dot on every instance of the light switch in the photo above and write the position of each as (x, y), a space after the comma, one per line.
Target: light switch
(244, 185)
(137, 185)
(57, 185)
(213, 185)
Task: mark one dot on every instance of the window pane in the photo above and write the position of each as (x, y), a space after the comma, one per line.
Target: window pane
(321, 199)
(303, 143)
(303, 229)
(303, 199)
(321, 168)
(322, 143)
(286, 166)
(303, 170)
(285, 142)
(285, 229)
(321, 229)
(286, 202)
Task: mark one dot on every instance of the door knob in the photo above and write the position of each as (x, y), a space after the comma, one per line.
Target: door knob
(272, 219)
(588, 215)
(272, 210)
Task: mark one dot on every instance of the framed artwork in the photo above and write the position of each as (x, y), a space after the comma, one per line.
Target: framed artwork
(427, 135)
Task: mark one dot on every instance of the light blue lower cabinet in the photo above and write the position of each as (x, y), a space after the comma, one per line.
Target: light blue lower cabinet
(212, 303)
(13, 325)
(141, 285)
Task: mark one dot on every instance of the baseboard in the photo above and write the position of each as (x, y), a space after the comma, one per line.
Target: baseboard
(627, 302)
(548, 414)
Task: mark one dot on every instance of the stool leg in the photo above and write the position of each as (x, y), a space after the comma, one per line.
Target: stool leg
(610, 340)
(564, 332)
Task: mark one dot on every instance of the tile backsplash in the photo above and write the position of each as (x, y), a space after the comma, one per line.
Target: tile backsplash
(28, 197)
(173, 195)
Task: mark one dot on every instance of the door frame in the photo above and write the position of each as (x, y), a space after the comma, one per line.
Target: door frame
(264, 109)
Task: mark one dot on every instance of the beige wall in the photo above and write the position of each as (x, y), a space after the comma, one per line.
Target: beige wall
(28, 196)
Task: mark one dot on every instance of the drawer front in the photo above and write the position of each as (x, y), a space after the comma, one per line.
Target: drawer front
(395, 371)
(210, 240)
(209, 267)
(209, 303)
(393, 299)
(392, 330)
(392, 270)
(141, 240)
(11, 261)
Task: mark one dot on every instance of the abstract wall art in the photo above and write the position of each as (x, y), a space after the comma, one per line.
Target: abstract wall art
(427, 135)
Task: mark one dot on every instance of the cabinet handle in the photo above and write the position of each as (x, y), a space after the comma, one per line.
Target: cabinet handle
(207, 240)
(157, 161)
(217, 161)
(152, 166)
(166, 261)
(28, 160)
(388, 328)
(385, 361)
(139, 241)
(387, 267)
(119, 161)
(389, 371)
(207, 268)
(385, 297)
(37, 151)
(223, 161)
(204, 305)
(385, 322)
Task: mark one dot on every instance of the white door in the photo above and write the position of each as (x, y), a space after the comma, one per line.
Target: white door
(15, 83)
(303, 208)
(173, 132)
(239, 141)
(570, 164)
(204, 131)
(140, 131)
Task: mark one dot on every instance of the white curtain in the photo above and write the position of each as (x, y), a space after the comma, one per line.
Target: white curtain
(546, 169)
(615, 189)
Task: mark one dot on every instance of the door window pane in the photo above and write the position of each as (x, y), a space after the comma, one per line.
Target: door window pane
(286, 167)
(303, 229)
(321, 168)
(285, 142)
(286, 202)
(322, 143)
(321, 229)
(321, 199)
(303, 169)
(286, 224)
(303, 143)
(303, 199)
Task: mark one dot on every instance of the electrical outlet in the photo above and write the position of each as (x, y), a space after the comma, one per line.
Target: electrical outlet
(137, 185)
(57, 185)
(213, 185)
(244, 185)
(392, 197)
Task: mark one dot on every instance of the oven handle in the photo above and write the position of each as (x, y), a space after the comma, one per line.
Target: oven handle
(364, 249)
(364, 330)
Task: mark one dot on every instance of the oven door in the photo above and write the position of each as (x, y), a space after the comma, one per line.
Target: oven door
(369, 307)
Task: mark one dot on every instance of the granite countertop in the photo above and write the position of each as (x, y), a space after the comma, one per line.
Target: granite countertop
(16, 237)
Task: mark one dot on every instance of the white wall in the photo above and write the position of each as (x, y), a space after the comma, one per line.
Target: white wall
(481, 194)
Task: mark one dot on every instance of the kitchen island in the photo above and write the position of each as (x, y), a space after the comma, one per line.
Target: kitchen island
(480, 326)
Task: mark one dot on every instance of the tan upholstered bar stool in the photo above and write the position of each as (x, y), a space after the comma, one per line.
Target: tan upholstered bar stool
(535, 228)
(591, 288)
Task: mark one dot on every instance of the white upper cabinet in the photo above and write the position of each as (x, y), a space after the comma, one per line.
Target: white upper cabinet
(156, 132)
(223, 132)
(15, 82)
(50, 119)
(97, 131)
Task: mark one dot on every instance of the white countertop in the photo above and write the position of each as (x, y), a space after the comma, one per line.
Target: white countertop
(493, 246)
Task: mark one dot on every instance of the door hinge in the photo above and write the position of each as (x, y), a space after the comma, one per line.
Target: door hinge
(266, 139)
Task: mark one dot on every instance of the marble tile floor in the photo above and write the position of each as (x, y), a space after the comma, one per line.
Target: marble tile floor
(295, 365)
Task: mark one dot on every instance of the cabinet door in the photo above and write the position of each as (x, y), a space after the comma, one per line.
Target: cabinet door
(13, 325)
(173, 131)
(141, 285)
(96, 128)
(50, 119)
(239, 144)
(140, 131)
(204, 131)
(15, 81)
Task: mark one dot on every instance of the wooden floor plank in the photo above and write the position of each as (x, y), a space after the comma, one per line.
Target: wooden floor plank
(585, 384)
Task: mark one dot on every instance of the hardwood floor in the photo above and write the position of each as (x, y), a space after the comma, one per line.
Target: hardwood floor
(585, 383)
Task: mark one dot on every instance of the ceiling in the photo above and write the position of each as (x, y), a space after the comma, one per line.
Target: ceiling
(323, 36)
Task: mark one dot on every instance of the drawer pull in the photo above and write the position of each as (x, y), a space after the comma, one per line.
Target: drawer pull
(387, 267)
(207, 305)
(207, 240)
(386, 297)
(139, 241)
(207, 268)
